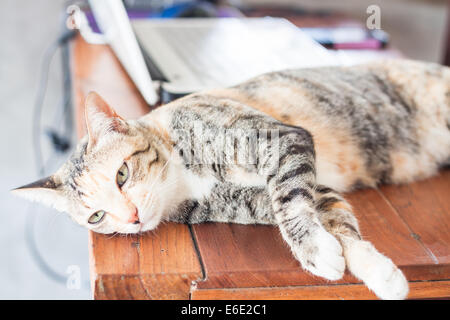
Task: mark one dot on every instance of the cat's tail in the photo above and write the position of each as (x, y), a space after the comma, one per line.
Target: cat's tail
(377, 271)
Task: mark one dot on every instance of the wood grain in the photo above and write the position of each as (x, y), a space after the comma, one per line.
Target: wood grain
(96, 68)
(255, 256)
(155, 265)
(248, 256)
(418, 290)
(425, 208)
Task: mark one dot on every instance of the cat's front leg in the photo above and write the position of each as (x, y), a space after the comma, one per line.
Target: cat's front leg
(291, 191)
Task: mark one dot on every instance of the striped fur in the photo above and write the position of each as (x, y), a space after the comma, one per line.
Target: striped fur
(318, 132)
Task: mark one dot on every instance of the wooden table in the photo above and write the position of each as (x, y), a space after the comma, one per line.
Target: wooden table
(409, 223)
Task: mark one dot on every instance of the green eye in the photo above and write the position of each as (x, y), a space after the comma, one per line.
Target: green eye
(97, 217)
(122, 175)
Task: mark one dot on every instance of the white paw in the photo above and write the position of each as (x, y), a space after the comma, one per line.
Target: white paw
(321, 254)
(378, 272)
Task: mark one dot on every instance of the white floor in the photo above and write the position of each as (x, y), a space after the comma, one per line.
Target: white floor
(26, 30)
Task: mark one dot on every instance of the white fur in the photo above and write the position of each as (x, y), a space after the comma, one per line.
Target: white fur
(325, 252)
(321, 254)
(199, 187)
(378, 272)
(244, 178)
(329, 174)
(48, 197)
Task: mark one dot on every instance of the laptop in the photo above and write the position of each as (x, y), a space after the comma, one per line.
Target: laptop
(194, 54)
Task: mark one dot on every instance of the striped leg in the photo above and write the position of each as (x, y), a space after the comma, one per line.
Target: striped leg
(292, 196)
(378, 272)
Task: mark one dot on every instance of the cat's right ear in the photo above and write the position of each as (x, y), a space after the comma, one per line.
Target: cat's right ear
(47, 191)
(101, 118)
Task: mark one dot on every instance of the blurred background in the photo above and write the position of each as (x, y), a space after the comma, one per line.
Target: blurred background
(40, 249)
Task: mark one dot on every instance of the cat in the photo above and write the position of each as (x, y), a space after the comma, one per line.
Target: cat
(304, 136)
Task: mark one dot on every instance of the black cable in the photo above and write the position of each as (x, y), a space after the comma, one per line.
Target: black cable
(67, 90)
(39, 101)
(38, 104)
(61, 139)
(39, 162)
(36, 255)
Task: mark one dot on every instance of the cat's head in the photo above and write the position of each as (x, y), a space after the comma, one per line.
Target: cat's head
(117, 180)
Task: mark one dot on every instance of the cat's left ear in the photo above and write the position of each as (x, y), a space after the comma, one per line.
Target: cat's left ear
(101, 118)
(48, 191)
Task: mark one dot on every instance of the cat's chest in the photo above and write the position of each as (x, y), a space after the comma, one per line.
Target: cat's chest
(199, 187)
(199, 184)
(241, 177)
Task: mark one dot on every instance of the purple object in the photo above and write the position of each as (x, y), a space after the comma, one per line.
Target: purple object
(365, 44)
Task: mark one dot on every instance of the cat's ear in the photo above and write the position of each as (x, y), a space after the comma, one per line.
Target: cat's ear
(47, 191)
(101, 118)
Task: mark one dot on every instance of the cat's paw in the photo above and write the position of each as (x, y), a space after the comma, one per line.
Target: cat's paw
(378, 272)
(321, 254)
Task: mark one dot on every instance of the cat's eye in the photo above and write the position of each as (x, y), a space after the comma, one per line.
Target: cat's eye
(122, 175)
(97, 217)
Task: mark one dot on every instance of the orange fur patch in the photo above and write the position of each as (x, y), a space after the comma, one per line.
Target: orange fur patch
(333, 144)
(341, 205)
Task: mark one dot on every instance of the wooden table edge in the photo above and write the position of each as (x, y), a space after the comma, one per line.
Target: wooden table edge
(417, 290)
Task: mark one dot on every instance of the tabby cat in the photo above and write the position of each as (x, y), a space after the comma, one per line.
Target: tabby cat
(277, 149)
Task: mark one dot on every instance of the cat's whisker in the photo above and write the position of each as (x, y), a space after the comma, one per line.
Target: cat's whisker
(159, 174)
(149, 201)
(52, 221)
(167, 186)
(152, 202)
(112, 235)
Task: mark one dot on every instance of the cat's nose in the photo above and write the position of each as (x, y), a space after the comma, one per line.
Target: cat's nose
(134, 219)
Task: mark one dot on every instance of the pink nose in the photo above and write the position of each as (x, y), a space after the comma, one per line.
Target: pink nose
(134, 219)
